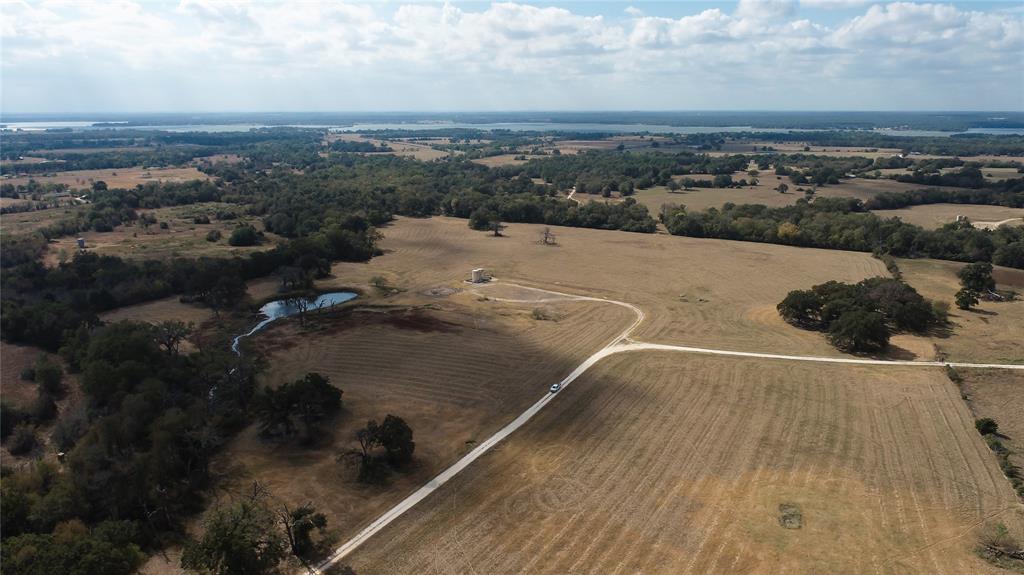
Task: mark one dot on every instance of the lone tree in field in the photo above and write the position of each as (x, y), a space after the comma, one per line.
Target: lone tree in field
(495, 226)
(977, 277)
(782, 188)
(966, 299)
(547, 237)
(394, 436)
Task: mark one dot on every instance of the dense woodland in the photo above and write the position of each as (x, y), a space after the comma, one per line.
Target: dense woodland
(138, 454)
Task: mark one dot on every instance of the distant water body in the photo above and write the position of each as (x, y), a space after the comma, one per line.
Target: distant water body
(511, 126)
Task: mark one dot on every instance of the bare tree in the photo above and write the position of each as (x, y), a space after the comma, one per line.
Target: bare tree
(547, 237)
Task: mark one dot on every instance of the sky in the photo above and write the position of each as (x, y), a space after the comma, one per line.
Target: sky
(231, 56)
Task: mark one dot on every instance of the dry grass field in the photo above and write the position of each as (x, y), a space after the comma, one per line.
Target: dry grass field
(666, 463)
(455, 372)
(502, 160)
(182, 238)
(25, 222)
(14, 359)
(687, 286)
(937, 215)
(117, 178)
(764, 192)
(994, 332)
(399, 147)
(999, 394)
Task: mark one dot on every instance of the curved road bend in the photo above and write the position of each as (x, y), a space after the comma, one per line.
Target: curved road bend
(620, 344)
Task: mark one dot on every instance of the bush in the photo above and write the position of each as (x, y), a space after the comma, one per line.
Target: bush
(44, 408)
(966, 299)
(28, 374)
(213, 236)
(10, 417)
(201, 220)
(49, 375)
(986, 426)
(244, 236)
(23, 440)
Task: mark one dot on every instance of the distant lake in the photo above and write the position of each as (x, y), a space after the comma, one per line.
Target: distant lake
(511, 126)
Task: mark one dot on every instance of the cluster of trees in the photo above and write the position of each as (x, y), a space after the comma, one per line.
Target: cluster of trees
(860, 317)
(595, 171)
(17, 425)
(41, 305)
(357, 146)
(976, 281)
(254, 534)
(966, 177)
(1008, 193)
(137, 456)
(844, 224)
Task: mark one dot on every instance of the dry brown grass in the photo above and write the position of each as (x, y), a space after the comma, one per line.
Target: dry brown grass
(665, 463)
(764, 192)
(25, 222)
(455, 374)
(994, 332)
(183, 238)
(399, 147)
(14, 359)
(116, 178)
(936, 215)
(998, 394)
(502, 160)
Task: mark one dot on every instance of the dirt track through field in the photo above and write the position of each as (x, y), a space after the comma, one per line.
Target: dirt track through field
(622, 343)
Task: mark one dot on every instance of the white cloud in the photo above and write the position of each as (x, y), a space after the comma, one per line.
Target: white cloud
(233, 54)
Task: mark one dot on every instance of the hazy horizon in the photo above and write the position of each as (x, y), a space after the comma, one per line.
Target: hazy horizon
(196, 56)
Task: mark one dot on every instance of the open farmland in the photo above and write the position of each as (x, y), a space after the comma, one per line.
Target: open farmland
(115, 178)
(992, 332)
(661, 462)
(399, 147)
(764, 192)
(687, 286)
(937, 215)
(182, 238)
(455, 372)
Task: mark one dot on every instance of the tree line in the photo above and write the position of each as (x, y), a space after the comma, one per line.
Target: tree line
(845, 224)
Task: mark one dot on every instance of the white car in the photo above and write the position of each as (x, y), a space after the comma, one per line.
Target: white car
(556, 387)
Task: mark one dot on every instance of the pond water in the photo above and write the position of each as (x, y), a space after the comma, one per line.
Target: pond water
(287, 307)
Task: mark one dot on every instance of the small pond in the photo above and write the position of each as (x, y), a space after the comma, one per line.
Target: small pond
(287, 307)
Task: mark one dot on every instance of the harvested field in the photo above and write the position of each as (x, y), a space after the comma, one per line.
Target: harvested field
(934, 216)
(993, 332)
(666, 463)
(115, 178)
(455, 373)
(182, 238)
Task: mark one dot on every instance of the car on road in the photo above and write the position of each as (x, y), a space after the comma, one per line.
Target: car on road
(556, 387)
